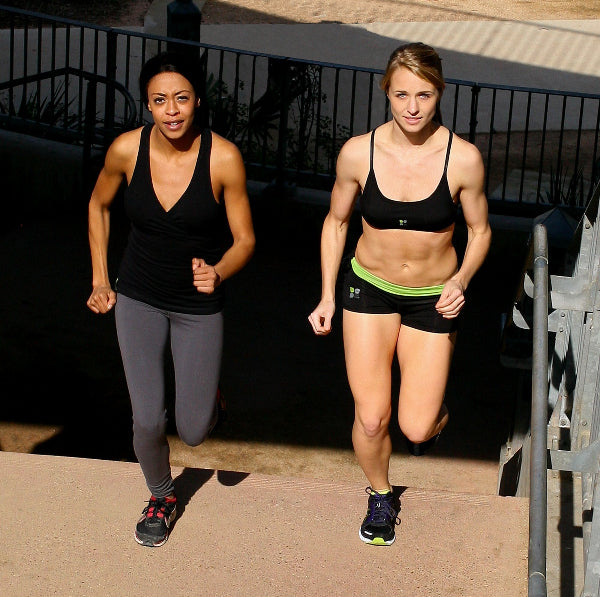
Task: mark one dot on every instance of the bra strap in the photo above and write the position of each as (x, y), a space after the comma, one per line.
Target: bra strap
(372, 146)
(448, 151)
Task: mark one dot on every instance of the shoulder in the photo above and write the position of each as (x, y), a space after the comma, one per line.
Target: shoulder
(354, 154)
(223, 151)
(226, 162)
(124, 148)
(464, 154)
(223, 146)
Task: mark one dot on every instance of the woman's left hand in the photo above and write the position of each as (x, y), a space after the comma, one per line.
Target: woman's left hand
(206, 278)
(452, 300)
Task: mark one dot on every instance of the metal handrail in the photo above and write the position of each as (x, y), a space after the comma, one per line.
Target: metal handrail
(539, 418)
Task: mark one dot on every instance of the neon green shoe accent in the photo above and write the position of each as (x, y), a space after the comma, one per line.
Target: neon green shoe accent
(390, 288)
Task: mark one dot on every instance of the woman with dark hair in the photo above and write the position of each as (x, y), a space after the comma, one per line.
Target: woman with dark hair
(404, 289)
(185, 186)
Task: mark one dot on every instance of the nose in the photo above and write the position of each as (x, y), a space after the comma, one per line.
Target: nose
(172, 107)
(413, 105)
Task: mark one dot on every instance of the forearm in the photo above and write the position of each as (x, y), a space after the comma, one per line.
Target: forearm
(333, 240)
(236, 257)
(98, 234)
(478, 245)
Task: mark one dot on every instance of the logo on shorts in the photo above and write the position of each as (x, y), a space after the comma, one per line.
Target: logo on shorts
(354, 292)
(402, 222)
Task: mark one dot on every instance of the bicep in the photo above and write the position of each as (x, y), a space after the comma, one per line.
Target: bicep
(346, 187)
(472, 194)
(235, 195)
(110, 178)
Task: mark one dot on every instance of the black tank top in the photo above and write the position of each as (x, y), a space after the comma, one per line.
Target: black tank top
(157, 264)
(436, 212)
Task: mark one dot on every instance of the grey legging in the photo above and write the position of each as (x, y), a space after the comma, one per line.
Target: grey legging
(196, 346)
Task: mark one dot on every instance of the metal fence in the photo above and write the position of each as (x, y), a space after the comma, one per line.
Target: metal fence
(290, 117)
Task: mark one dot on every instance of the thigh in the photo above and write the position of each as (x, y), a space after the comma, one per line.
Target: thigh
(369, 345)
(197, 347)
(143, 333)
(424, 359)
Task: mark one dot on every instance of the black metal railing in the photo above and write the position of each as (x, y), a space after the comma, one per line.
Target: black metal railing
(290, 117)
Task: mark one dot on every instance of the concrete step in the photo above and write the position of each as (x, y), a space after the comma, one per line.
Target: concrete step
(68, 530)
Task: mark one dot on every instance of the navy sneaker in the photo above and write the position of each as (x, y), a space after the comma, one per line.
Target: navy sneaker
(378, 527)
(152, 530)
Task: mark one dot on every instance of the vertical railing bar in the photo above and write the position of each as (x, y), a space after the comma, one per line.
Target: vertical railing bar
(250, 104)
(542, 148)
(490, 143)
(352, 103)
(318, 129)
(370, 102)
(508, 139)
(455, 110)
(525, 140)
(39, 70)
(538, 500)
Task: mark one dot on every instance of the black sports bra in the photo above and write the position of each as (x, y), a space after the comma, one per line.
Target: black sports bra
(436, 212)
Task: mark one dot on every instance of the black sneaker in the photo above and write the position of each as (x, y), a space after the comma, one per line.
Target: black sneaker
(382, 516)
(152, 530)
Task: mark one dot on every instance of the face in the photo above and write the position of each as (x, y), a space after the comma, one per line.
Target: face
(172, 102)
(413, 101)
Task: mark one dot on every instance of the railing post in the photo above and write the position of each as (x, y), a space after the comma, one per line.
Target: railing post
(88, 134)
(111, 75)
(538, 500)
(283, 131)
(475, 89)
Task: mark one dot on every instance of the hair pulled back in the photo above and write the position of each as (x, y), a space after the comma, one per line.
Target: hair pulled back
(421, 60)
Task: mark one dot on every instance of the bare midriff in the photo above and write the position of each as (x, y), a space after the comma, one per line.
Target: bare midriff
(408, 257)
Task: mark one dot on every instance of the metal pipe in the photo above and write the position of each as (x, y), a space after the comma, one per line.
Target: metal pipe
(539, 414)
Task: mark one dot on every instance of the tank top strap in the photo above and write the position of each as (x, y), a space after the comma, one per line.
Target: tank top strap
(205, 146)
(145, 138)
(372, 148)
(448, 151)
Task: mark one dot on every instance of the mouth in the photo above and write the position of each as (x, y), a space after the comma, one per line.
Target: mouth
(173, 124)
(412, 119)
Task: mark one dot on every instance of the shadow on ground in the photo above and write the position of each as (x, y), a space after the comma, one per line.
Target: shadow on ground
(60, 364)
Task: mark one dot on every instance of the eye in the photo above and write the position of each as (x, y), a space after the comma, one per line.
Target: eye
(158, 100)
(183, 98)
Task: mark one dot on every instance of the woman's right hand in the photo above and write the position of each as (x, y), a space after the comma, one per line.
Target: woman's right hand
(102, 299)
(320, 318)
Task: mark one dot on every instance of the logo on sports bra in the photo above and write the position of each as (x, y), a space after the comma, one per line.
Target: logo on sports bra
(402, 222)
(354, 292)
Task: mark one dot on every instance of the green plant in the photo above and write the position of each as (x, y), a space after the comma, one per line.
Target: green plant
(51, 110)
(566, 189)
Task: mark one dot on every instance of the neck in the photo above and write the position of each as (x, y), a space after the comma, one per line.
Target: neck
(176, 146)
(407, 139)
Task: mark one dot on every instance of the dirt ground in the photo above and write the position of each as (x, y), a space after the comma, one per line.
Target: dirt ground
(123, 13)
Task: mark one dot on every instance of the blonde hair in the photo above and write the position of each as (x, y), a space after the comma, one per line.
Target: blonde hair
(421, 60)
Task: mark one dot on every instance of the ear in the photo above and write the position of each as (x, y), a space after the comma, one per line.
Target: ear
(197, 102)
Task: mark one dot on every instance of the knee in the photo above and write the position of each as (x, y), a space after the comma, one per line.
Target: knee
(417, 433)
(418, 430)
(192, 435)
(371, 425)
(149, 432)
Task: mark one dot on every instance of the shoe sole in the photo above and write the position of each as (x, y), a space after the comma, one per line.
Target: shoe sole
(150, 542)
(376, 540)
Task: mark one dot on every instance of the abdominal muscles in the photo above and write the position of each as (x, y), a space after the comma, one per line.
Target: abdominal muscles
(408, 257)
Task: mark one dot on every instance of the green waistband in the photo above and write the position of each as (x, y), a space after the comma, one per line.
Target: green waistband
(390, 288)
